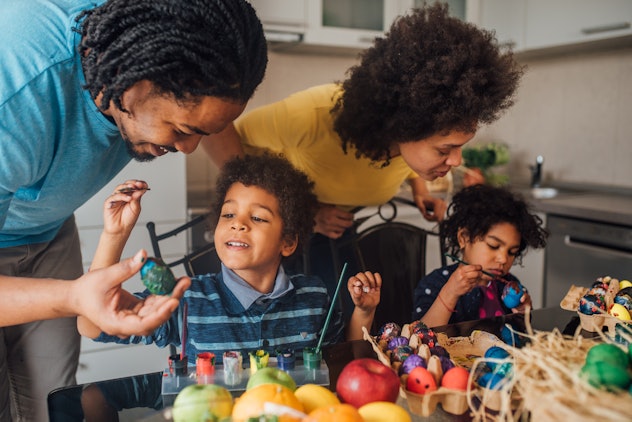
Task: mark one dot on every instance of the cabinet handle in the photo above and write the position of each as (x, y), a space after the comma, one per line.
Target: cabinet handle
(366, 40)
(573, 242)
(605, 28)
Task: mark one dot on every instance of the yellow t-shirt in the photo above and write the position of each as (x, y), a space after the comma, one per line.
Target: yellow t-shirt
(301, 128)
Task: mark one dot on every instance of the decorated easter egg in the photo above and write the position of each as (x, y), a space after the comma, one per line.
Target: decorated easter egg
(511, 337)
(420, 381)
(604, 374)
(456, 378)
(497, 352)
(411, 363)
(157, 277)
(491, 380)
(401, 353)
(512, 293)
(619, 311)
(396, 341)
(439, 351)
(591, 304)
(389, 330)
(425, 334)
(446, 363)
(610, 353)
(625, 284)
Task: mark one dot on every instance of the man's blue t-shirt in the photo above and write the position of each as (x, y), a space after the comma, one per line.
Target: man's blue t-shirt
(56, 149)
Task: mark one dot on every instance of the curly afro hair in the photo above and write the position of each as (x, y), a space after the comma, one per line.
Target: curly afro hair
(478, 208)
(274, 174)
(186, 49)
(431, 74)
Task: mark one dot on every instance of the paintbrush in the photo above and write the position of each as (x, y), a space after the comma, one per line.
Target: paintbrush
(130, 189)
(331, 309)
(493, 276)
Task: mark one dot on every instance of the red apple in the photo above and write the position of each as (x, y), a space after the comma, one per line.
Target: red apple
(367, 380)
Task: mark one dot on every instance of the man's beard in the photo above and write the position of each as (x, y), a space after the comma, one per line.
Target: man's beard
(142, 157)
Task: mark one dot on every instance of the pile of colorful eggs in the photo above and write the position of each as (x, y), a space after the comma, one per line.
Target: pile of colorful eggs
(608, 295)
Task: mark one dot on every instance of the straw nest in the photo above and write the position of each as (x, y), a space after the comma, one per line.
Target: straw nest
(546, 385)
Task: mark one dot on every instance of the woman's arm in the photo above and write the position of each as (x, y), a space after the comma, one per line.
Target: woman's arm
(223, 146)
(432, 208)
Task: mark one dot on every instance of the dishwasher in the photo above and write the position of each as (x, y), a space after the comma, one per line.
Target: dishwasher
(579, 251)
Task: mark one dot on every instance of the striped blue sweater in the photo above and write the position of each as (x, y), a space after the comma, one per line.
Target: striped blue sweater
(217, 322)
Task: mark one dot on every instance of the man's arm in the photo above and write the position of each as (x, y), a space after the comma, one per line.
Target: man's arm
(97, 295)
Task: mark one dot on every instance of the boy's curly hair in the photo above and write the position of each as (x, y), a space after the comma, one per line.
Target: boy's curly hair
(430, 74)
(273, 173)
(480, 207)
(186, 49)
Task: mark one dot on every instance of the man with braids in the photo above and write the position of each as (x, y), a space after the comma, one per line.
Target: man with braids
(90, 85)
(404, 113)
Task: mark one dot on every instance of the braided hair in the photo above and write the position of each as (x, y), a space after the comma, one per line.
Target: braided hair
(186, 49)
(431, 74)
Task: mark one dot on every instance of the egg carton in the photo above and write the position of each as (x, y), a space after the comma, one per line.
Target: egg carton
(464, 351)
(596, 322)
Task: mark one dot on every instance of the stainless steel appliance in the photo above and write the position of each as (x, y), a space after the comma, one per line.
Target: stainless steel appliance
(579, 251)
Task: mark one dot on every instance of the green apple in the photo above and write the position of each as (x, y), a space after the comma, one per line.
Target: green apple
(202, 402)
(271, 375)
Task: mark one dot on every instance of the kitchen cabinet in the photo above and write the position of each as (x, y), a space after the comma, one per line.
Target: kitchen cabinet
(563, 22)
(327, 25)
(349, 24)
(537, 25)
(165, 204)
(505, 17)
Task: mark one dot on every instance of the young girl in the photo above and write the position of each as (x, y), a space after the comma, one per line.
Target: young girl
(488, 228)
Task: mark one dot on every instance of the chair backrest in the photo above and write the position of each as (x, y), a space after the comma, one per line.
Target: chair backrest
(398, 251)
(201, 260)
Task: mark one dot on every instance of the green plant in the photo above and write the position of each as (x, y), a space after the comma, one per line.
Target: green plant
(486, 156)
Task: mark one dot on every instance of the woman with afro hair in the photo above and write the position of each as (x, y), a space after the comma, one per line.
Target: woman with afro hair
(402, 114)
(488, 229)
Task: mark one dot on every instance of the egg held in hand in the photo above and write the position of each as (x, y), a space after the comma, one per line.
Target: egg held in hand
(157, 277)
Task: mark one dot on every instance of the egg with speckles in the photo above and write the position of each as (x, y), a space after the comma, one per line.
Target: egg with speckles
(157, 276)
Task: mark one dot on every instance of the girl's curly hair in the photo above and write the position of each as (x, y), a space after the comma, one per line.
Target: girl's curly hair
(273, 173)
(187, 49)
(430, 74)
(480, 207)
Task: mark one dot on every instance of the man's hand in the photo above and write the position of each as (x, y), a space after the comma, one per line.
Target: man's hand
(99, 297)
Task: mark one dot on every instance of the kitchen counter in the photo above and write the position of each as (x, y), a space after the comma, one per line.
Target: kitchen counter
(604, 207)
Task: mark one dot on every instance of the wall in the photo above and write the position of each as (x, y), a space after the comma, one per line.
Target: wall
(573, 109)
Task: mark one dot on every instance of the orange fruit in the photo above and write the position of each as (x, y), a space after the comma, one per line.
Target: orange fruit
(252, 402)
(335, 413)
(314, 396)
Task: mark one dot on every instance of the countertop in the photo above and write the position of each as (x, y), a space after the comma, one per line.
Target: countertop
(603, 203)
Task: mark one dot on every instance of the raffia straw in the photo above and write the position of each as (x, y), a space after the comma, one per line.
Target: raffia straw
(546, 385)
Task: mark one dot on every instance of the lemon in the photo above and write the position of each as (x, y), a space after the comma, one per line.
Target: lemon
(313, 396)
(383, 411)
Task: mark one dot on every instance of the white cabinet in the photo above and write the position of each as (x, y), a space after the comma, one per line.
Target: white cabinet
(562, 22)
(536, 25)
(165, 204)
(347, 24)
(505, 17)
